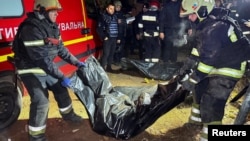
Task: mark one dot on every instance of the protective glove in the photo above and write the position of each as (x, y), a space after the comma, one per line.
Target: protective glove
(189, 64)
(185, 75)
(188, 85)
(189, 81)
(81, 64)
(66, 82)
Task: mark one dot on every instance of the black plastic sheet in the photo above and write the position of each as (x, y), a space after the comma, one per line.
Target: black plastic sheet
(122, 112)
(159, 71)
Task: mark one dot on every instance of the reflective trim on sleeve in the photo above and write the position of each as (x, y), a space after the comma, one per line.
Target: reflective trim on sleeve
(231, 34)
(148, 35)
(140, 25)
(204, 68)
(32, 70)
(34, 43)
(195, 52)
(148, 18)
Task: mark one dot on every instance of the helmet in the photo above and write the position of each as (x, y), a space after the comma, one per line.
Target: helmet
(200, 7)
(154, 3)
(47, 5)
(117, 3)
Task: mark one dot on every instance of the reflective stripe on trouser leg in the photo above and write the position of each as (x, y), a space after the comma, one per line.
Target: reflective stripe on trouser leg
(204, 132)
(66, 110)
(195, 116)
(33, 131)
(38, 119)
(39, 105)
(62, 98)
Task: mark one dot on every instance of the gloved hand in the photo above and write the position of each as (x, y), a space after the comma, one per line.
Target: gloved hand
(185, 75)
(189, 63)
(189, 81)
(66, 82)
(81, 64)
(188, 85)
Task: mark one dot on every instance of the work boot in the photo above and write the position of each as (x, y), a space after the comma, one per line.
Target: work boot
(72, 116)
(40, 137)
(109, 69)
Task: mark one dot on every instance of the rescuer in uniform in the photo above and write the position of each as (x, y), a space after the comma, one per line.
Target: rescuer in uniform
(149, 29)
(37, 43)
(221, 54)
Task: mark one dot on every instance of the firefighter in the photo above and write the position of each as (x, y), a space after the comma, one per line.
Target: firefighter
(36, 44)
(138, 37)
(149, 28)
(221, 54)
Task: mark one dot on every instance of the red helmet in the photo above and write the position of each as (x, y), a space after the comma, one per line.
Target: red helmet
(155, 3)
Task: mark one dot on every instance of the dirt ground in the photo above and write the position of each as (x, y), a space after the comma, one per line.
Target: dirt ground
(169, 127)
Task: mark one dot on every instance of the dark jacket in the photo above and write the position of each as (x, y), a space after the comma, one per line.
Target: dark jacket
(122, 27)
(170, 15)
(107, 26)
(149, 23)
(221, 44)
(37, 43)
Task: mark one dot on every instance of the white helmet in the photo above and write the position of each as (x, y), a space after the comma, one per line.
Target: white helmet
(200, 7)
(47, 4)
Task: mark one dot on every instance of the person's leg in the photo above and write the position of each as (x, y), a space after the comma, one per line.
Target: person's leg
(213, 101)
(141, 49)
(39, 106)
(147, 45)
(244, 109)
(111, 55)
(155, 49)
(171, 52)
(112, 47)
(195, 116)
(165, 50)
(105, 54)
(63, 100)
